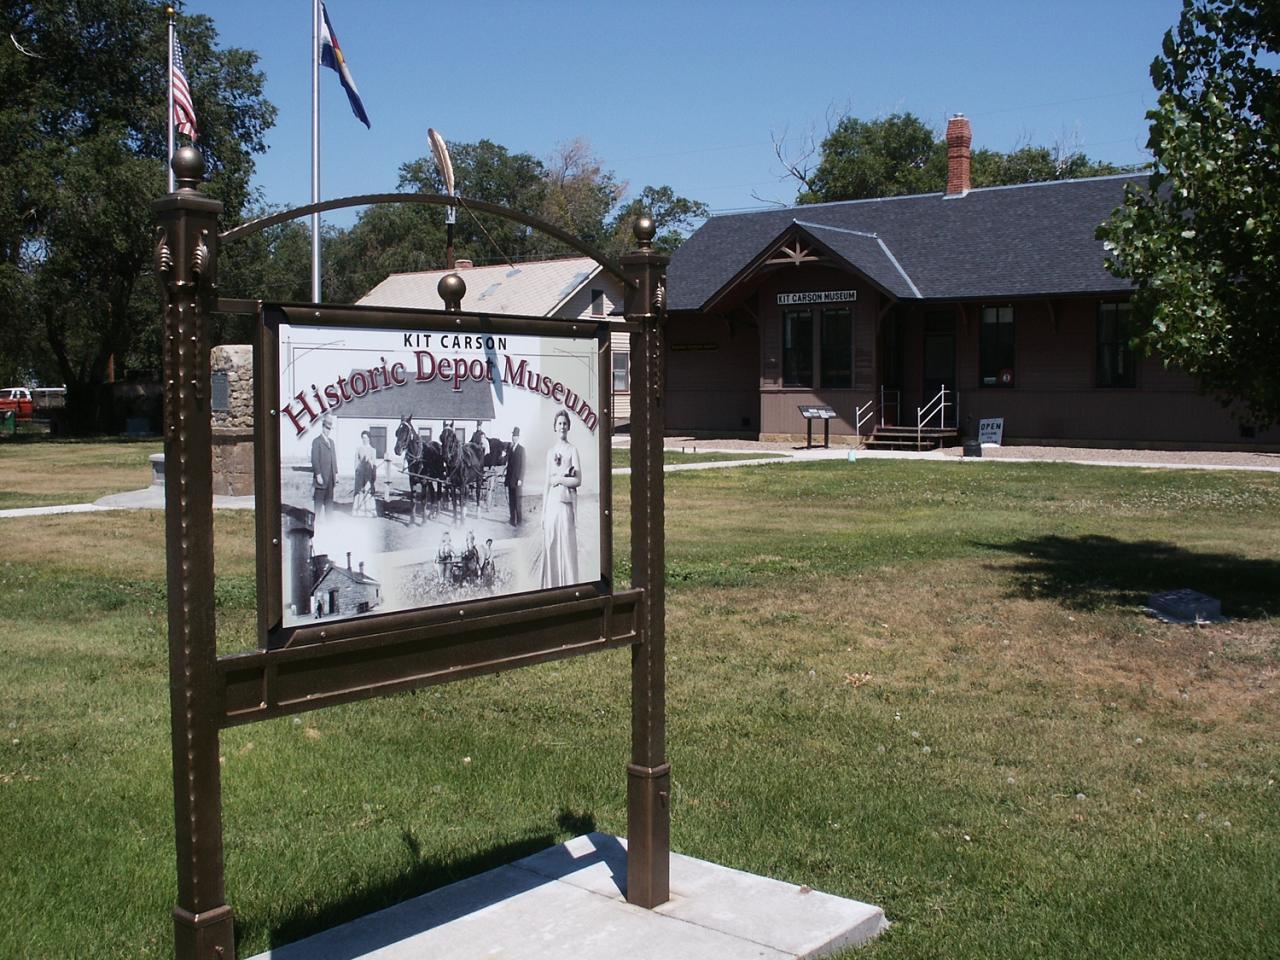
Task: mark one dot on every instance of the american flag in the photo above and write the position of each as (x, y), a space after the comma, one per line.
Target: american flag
(184, 112)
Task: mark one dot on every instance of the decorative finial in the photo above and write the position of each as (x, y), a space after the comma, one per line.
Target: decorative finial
(645, 230)
(188, 167)
(452, 288)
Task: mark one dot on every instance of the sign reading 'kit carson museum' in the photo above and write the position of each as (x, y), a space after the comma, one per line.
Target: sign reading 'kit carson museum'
(817, 296)
(434, 467)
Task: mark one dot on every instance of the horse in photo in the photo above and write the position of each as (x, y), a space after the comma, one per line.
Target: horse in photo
(496, 456)
(463, 467)
(424, 466)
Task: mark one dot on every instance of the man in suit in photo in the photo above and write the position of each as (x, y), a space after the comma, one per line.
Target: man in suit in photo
(324, 468)
(515, 478)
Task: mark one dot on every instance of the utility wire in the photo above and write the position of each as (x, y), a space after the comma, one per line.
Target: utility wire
(462, 203)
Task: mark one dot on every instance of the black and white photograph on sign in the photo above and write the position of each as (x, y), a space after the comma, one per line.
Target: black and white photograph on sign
(431, 467)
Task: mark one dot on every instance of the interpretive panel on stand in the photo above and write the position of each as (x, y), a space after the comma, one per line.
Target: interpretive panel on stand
(447, 460)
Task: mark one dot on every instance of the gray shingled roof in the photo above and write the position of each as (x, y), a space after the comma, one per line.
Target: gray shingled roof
(1027, 240)
(537, 288)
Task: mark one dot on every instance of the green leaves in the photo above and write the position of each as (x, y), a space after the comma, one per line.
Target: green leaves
(571, 190)
(900, 155)
(82, 155)
(878, 158)
(1202, 245)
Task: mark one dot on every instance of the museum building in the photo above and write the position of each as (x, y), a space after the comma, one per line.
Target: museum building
(932, 311)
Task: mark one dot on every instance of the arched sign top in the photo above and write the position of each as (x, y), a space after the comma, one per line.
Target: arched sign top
(610, 265)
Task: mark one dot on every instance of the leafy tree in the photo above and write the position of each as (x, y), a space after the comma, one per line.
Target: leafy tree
(1202, 241)
(579, 194)
(1027, 164)
(274, 264)
(388, 238)
(901, 154)
(82, 154)
(482, 171)
(673, 215)
(572, 190)
(876, 158)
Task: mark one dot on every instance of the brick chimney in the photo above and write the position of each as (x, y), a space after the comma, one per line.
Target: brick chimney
(959, 139)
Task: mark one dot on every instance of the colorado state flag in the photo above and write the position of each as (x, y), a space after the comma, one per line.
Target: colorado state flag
(331, 56)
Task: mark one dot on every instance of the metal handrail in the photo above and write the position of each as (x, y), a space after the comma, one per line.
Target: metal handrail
(935, 407)
(861, 415)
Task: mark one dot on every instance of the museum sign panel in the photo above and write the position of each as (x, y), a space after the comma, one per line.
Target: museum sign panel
(421, 467)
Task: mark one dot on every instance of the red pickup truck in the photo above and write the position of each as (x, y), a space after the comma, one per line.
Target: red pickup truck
(17, 399)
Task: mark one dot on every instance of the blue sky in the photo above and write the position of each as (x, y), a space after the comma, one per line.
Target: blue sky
(690, 93)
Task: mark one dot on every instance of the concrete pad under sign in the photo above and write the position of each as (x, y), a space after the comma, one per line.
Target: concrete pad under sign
(568, 901)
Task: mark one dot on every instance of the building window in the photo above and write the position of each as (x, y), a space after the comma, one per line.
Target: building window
(797, 348)
(597, 303)
(621, 371)
(835, 361)
(378, 437)
(1115, 351)
(995, 347)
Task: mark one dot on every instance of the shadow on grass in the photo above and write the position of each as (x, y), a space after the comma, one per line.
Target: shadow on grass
(422, 876)
(1092, 572)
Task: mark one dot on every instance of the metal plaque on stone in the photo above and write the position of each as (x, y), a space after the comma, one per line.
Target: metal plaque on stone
(220, 391)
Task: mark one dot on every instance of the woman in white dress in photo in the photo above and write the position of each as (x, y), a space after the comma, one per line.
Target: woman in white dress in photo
(560, 509)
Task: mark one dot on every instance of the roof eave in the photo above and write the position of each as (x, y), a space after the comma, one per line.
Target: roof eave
(759, 259)
(591, 275)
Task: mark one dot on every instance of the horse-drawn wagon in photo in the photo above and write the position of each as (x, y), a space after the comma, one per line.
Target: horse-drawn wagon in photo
(424, 437)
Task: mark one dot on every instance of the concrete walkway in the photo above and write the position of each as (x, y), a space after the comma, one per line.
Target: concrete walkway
(1089, 458)
(148, 498)
(568, 902)
(152, 497)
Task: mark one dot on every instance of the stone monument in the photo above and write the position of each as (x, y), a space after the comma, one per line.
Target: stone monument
(231, 366)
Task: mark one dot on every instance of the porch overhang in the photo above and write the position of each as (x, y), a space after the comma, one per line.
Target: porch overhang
(862, 255)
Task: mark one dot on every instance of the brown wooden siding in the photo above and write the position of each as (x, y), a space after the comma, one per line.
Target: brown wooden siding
(1054, 397)
(713, 366)
(779, 405)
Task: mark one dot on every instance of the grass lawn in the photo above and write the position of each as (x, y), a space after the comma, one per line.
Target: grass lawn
(622, 456)
(37, 474)
(924, 685)
(71, 471)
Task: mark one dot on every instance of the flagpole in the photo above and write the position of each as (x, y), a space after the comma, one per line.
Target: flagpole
(169, 95)
(315, 149)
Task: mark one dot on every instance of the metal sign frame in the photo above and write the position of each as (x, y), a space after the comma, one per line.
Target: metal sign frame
(267, 467)
(398, 651)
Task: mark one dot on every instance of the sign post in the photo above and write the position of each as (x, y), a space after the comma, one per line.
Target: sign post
(333, 632)
(185, 264)
(649, 773)
(817, 411)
